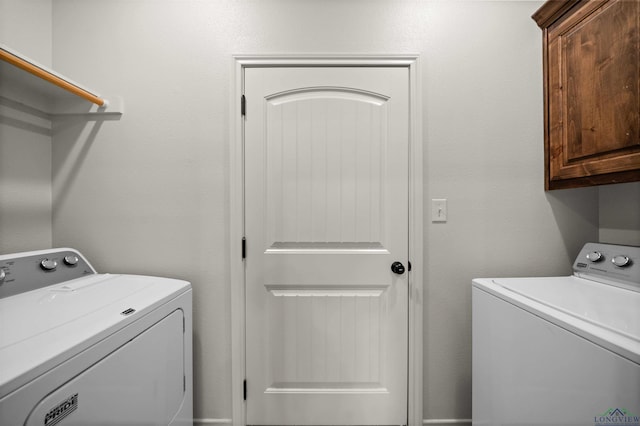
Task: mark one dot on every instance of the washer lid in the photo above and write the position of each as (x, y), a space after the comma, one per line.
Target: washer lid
(607, 315)
(41, 328)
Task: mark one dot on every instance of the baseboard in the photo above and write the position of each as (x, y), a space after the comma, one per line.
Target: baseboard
(212, 422)
(432, 422)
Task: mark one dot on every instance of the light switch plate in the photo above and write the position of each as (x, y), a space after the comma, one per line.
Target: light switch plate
(439, 210)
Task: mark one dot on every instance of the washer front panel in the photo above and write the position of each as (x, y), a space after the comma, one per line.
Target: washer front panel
(529, 371)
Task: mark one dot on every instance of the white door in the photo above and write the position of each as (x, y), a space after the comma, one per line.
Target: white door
(326, 215)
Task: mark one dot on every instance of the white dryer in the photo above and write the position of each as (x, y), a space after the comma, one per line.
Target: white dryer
(560, 350)
(82, 348)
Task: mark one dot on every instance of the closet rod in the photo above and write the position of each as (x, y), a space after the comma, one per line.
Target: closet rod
(51, 78)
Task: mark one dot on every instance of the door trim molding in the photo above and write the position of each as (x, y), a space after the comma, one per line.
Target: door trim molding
(236, 216)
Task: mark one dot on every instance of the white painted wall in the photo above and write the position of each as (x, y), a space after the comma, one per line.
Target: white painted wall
(25, 137)
(149, 193)
(620, 213)
(484, 149)
(26, 27)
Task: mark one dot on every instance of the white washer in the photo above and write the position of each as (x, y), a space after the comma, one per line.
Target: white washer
(82, 348)
(560, 350)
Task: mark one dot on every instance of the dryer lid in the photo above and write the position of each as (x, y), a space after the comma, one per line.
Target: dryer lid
(41, 328)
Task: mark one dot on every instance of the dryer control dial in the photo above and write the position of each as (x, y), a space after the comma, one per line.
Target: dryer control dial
(71, 260)
(48, 264)
(621, 261)
(594, 256)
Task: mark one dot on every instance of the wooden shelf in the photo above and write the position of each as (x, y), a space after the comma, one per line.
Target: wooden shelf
(19, 73)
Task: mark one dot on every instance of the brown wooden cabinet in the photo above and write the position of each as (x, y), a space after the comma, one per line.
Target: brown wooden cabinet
(591, 58)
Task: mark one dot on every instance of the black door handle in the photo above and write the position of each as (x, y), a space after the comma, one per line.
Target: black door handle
(397, 268)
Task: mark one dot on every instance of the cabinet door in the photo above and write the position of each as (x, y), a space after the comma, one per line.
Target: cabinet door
(593, 92)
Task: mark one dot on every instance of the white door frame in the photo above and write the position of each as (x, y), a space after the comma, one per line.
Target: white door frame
(236, 217)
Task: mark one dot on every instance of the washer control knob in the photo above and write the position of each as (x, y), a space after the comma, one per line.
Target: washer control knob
(71, 260)
(621, 261)
(595, 256)
(3, 275)
(48, 264)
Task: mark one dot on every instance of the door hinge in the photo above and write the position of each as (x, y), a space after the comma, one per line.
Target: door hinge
(184, 326)
(184, 383)
(244, 247)
(244, 390)
(243, 105)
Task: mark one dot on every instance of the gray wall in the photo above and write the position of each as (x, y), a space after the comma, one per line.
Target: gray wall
(25, 137)
(484, 139)
(620, 213)
(149, 193)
